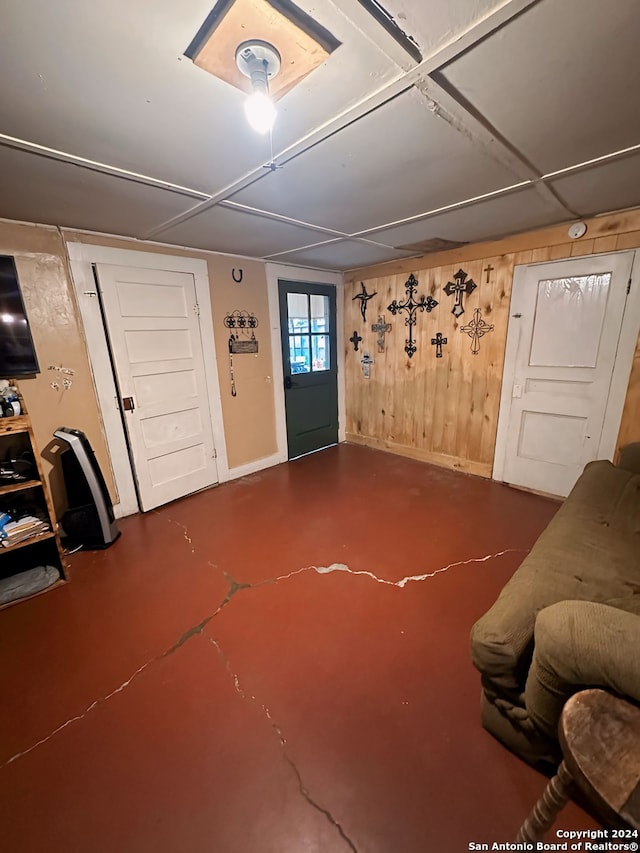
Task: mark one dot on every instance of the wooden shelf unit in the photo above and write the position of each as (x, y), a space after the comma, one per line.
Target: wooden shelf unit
(19, 486)
(42, 548)
(32, 540)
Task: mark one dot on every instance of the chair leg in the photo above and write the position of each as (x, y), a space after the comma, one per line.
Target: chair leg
(545, 811)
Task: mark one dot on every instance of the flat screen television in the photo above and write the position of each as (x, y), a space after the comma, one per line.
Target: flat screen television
(17, 353)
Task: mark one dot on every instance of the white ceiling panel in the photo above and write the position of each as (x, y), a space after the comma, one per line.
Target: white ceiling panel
(38, 189)
(432, 23)
(560, 81)
(108, 81)
(342, 255)
(398, 161)
(611, 186)
(222, 229)
(496, 217)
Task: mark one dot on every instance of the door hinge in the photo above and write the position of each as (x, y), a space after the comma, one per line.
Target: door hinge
(196, 310)
(629, 285)
(215, 453)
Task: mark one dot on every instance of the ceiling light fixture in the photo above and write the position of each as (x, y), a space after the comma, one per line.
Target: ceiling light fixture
(259, 61)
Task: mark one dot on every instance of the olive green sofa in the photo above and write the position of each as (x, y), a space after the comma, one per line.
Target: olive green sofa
(569, 618)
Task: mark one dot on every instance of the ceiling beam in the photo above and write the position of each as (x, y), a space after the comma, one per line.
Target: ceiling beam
(357, 15)
(447, 208)
(595, 161)
(407, 253)
(94, 166)
(279, 217)
(388, 23)
(442, 55)
(449, 105)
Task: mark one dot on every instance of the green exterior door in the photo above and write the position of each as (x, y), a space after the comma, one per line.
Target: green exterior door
(309, 360)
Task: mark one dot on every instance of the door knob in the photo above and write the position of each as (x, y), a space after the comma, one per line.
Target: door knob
(127, 404)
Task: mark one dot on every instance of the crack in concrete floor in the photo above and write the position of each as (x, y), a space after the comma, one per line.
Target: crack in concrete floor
(341, 567)
(187, 635)
(249, 697)
(234, 588)
(183, 527)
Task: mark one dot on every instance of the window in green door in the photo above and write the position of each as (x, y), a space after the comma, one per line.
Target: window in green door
(308, 322)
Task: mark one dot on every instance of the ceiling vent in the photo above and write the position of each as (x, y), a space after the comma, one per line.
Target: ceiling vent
(433, 244)
(301, 42)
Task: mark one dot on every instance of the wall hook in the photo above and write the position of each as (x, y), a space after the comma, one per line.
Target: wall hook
(233, 275)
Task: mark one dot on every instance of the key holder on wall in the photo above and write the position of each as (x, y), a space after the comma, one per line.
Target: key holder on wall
(243, 326)
(242, 338)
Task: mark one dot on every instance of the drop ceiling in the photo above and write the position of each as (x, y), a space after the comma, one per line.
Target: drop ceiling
(520, 114)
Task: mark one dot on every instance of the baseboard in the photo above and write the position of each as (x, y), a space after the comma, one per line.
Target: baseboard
(455, 463)
(252, 467)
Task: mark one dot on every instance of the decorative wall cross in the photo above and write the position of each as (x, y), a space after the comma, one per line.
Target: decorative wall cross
(381, 328)
(366, 362)
(488, 269)
(411, 306)
(459, 286)
(437, 342)
(476, 329)
(364, 297)
(355, 340)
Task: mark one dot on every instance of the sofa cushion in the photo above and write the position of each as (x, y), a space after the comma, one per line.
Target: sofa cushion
(630, 457)
(580, 644)
(519, 736)
(590, 551)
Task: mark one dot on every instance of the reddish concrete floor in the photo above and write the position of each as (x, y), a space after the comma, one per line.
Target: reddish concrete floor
(202, 686)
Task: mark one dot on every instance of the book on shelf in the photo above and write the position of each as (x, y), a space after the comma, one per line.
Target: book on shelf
(24, 528)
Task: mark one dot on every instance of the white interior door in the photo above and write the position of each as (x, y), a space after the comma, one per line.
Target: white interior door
(152, 318)
(563, 337)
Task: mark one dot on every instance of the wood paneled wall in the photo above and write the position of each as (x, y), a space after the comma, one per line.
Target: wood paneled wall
(446, 410)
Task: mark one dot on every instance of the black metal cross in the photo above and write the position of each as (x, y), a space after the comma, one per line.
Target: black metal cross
(411, 306)
(381, 328)
(476, 329)
(437, 342)
(364, 297)
(459, 286)
(355, 340)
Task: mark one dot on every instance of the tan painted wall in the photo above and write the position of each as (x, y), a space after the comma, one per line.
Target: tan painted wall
(446, 410)
(249, 418)
(57, 334)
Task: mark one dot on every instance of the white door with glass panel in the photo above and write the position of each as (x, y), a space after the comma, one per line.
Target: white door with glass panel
(561, 349)
(152, 319)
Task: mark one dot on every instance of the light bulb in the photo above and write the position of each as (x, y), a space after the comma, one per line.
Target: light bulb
(261, 112)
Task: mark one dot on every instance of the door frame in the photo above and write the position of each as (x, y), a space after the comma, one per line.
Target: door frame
(81, 258)
(627, 341)
(275, 272)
